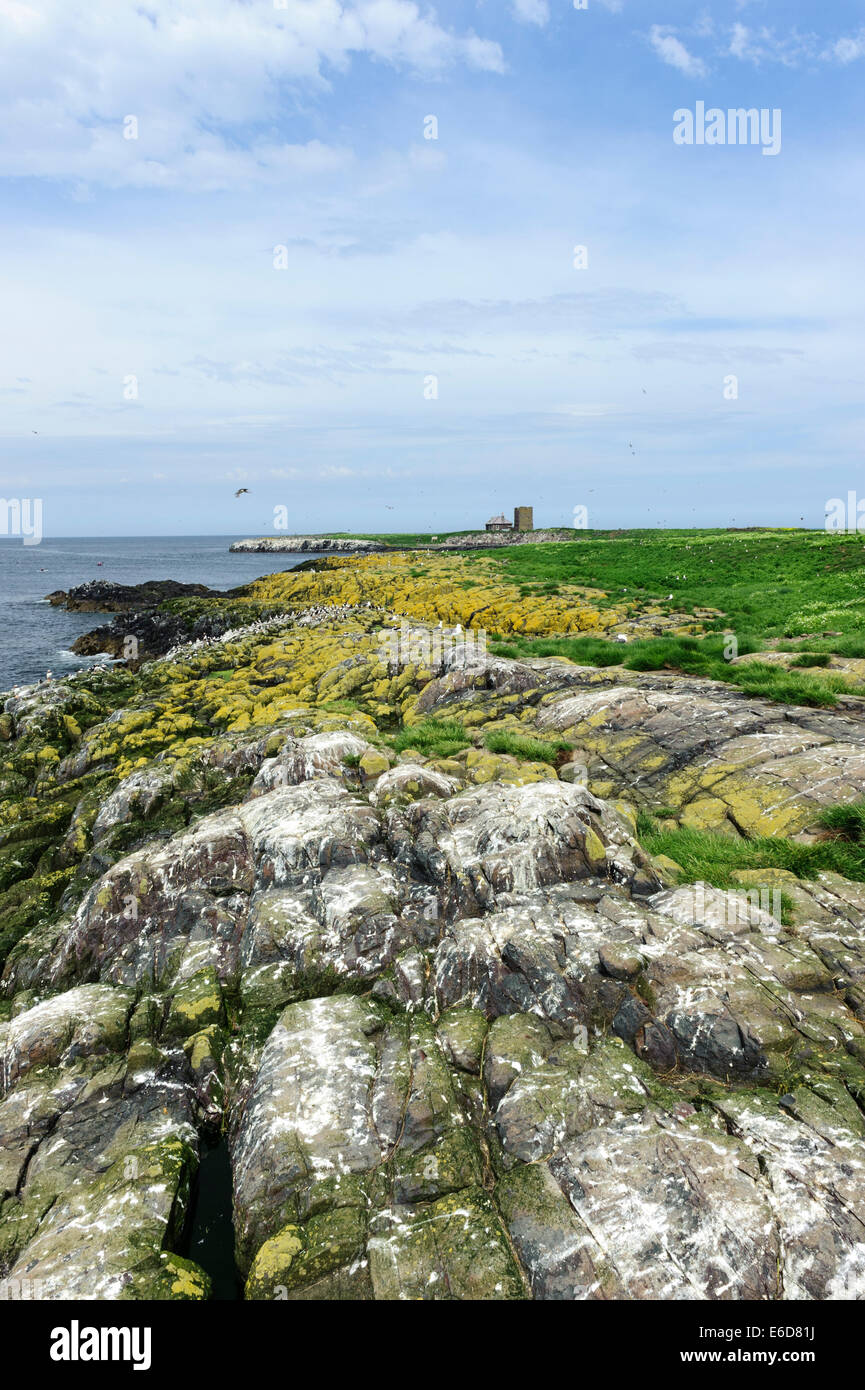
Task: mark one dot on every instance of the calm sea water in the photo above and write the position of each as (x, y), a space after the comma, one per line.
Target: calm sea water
(35, 638)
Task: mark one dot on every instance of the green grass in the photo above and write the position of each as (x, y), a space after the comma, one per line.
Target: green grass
(787, 687)
(714, 858)
(851, 647)
(694, 656)
(435, 738)
(847, 822)
(441, 738)
(533, 750)
(811, 659)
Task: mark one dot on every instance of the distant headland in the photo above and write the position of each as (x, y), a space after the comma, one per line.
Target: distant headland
(318, 544)
(497, 532)
(367, 545)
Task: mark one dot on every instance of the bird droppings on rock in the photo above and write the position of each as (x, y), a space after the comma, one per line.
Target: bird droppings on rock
(465, 1038)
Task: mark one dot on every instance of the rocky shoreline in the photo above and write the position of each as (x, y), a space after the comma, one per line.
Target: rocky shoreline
(303, 544)
(479, 540)
(386, 923)
(145, 626)
(106, 596)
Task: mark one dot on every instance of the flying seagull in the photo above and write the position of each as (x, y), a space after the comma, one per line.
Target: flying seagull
(240, 491)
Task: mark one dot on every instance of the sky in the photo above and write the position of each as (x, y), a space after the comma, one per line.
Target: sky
(330, 253)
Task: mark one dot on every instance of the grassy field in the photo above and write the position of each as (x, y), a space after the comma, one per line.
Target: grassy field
(767, 583)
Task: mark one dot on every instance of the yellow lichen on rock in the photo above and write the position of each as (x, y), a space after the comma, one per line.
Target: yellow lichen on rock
(450, 589)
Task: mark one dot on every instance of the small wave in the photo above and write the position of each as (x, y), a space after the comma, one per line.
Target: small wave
(70, 658)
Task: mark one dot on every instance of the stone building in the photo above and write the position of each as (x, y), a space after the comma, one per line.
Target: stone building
(523, 519)
(498, 523)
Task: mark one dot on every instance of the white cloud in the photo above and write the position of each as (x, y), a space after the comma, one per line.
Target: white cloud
(765, 46)
(739, 41)
(199, 75)
(672, 51)
(847, 50)
(531, 11)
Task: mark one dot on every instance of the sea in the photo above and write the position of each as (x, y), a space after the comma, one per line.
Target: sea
(36, 638)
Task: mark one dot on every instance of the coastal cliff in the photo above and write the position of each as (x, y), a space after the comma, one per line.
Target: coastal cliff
(301, 544)
(380, 907)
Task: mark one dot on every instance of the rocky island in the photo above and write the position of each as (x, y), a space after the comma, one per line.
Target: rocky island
(362, 545)
(302, 544)
(397, 919)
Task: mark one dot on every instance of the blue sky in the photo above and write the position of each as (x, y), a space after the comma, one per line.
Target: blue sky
(147, 265)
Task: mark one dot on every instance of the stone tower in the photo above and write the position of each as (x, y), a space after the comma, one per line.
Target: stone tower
(523, 520)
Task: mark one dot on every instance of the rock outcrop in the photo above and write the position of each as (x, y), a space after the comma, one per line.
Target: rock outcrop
(464, 1037)
(345, 545)
(143, 629)
(104, 596)
(320, 545)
